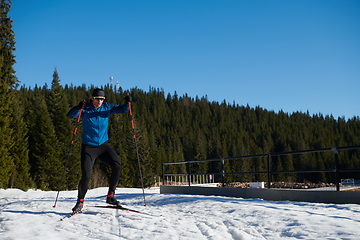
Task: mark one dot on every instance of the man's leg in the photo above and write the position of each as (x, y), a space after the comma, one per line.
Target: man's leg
(109, 157)
(88, 157)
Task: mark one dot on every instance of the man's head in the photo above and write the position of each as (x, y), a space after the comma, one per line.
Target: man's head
(98, 97)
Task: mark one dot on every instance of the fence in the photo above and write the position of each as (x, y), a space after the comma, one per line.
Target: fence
(336, 170)
(183, 179)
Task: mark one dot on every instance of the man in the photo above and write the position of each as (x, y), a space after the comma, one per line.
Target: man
(95, 118)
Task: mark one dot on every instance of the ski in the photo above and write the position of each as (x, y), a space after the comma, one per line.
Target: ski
(123, 208)
(71, 215)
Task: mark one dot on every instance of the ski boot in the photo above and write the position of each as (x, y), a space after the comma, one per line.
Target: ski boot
(112, 200)
(79, 205)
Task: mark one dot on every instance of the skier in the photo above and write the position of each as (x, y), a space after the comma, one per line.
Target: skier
(95, 117)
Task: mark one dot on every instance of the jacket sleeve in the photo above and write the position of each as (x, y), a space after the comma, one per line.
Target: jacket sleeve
(120, 108)
(73, 113)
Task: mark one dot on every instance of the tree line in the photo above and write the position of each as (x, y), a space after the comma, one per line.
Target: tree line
(169, 128)
(35, 133)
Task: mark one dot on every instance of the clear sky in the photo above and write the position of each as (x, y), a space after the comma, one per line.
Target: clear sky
(279, 55)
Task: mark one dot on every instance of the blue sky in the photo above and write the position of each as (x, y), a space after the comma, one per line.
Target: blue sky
(279, 55)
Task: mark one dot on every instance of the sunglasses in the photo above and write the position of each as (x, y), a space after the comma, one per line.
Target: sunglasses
(99, 98)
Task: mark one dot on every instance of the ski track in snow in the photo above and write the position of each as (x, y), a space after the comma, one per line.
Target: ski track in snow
(30, 215)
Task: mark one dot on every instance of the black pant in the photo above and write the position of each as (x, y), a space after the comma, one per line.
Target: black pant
(108, 156)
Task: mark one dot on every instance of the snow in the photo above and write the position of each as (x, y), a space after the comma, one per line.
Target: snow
(30, 215)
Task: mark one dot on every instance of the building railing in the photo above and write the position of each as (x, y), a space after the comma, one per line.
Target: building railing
(269, 173)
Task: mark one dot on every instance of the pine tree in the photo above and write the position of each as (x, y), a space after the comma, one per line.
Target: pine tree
(44, 147)
(7, 87)
(57, 105)
(73, 171)
(20, 177)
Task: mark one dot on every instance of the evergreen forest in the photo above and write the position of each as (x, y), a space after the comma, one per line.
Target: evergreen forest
(35, 133)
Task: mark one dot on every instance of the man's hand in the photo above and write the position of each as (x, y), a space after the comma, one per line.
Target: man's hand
(81, 105)
(128, 99)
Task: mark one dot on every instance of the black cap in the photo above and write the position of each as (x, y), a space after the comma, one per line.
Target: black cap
(98, 93)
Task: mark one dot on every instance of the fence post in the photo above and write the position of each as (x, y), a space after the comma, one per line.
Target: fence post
(163, 174)
(223, 172)
(337, 175)
(189, 173)
(268, 171)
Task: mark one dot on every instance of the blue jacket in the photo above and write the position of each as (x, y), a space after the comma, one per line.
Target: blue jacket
(95, 121)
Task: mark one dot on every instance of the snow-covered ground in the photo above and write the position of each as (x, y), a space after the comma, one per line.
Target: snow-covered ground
(30, 215)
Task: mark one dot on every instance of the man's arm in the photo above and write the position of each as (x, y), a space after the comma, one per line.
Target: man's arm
(74, 112)
(119, 108)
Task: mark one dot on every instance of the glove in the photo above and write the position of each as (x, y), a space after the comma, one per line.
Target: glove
(81, 105)
(128, 99)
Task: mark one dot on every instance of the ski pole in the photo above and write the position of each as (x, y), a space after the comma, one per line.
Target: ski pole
(67, 160)
(137, 152)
